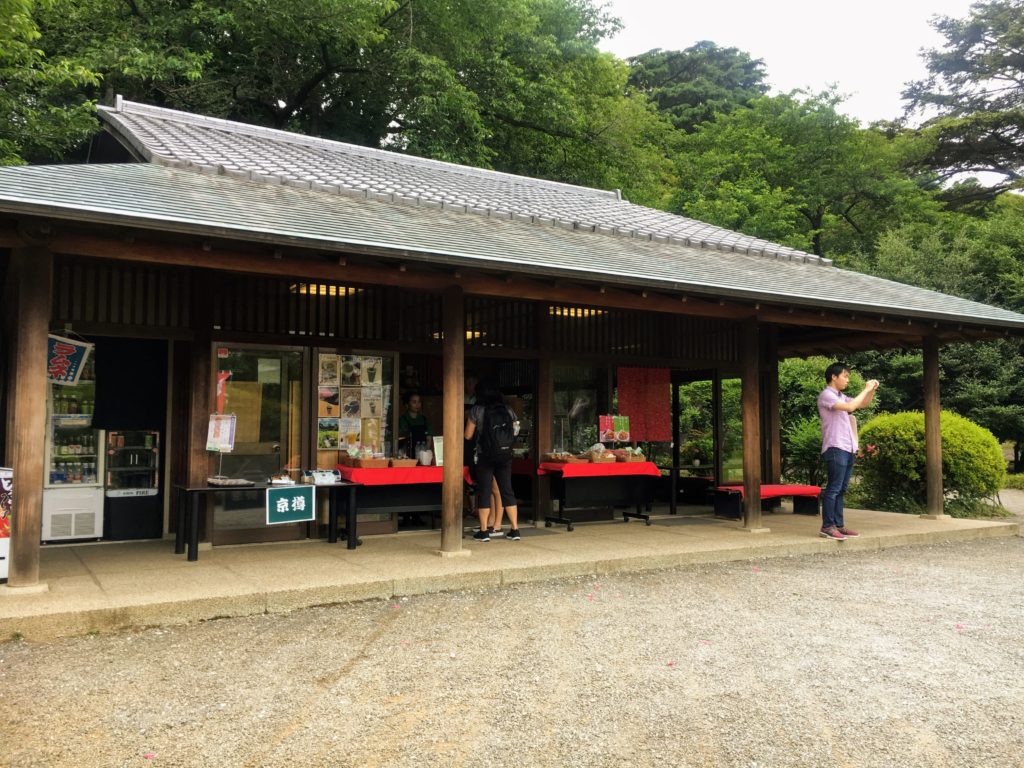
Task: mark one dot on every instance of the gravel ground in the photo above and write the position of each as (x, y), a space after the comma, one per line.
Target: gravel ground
(907, 657)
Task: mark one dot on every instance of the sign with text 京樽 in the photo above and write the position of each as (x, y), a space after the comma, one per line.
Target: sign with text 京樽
(291, 504)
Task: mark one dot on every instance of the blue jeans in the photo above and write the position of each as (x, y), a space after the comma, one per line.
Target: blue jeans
(840, 468)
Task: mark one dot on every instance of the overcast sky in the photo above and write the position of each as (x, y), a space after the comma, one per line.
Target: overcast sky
(869, 48)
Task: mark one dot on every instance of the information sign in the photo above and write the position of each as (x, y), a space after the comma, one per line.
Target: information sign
(291, 504)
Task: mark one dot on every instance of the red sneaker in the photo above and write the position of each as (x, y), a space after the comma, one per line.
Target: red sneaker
(848, 533)
(832, 533)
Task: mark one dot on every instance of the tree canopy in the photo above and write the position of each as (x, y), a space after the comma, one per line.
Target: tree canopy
(797, 171)
(41, 115)
(694, 85)
(976, 84)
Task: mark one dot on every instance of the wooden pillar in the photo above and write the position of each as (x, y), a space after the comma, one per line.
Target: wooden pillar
(772, 419)
(544, 411)
(750, 358)
(454, 363)
(29, 288)
(200, 398)
(932, 431)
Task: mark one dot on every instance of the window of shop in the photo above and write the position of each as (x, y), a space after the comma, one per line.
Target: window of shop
(263, 388)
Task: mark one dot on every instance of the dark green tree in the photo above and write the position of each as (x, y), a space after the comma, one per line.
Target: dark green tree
(517, 85)
(41, 115)
(976, 84)
(693, 85)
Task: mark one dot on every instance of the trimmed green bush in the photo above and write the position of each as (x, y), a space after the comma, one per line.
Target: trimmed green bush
(891, 464)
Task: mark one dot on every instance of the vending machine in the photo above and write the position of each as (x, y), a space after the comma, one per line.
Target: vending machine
(133, 503)
(73, 484)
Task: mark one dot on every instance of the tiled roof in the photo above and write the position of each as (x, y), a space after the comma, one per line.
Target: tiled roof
(180, 139)
(164, 199)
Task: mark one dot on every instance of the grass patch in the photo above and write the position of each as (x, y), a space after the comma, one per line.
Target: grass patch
(1014, 482)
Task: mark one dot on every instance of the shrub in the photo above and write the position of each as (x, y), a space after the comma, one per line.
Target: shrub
(801, 452)
(891, 464)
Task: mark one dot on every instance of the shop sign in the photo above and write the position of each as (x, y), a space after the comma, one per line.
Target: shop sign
(65, 359)
(291, 504)
(6, 515)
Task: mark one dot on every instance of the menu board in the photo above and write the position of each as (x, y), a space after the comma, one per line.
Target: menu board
(613, 429)
(353, 403)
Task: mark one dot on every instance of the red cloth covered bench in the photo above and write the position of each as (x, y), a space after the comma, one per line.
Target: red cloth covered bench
(728, 499)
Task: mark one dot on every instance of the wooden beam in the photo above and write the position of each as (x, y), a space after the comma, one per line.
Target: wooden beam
(414, 272)
(751, 411)
(201, 380)
(414, 276)
(772, 420)
(932, 431)
(542, 423)
(453, 362)
(28, 291)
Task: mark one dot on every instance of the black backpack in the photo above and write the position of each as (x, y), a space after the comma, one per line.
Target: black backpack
(497, 434)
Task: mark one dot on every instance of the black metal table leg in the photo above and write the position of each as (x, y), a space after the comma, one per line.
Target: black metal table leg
(179, 534)
(193, 528)
(350, 519)
(332, 515)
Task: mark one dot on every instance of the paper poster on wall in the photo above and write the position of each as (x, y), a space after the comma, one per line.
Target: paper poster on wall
(327, 434)
(328, 399)
(220, 435)
(371, 372)
(350, 432)
(65, 359)
(370, 435)
(351, 402)
(6, 516)
(613, 429)
(373, 406)
(351, 371)
(329, 371)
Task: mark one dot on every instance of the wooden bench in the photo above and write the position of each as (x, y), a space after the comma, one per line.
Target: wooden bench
(728, 499)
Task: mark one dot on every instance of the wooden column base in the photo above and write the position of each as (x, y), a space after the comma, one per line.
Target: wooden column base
(454, 553)
(9, 590)
(936, 517)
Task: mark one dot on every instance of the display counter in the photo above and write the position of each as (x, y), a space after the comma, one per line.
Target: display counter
(602, 485)
(391, 491)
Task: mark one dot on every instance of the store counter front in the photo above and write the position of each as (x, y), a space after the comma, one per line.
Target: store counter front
(601, 486)
(387, 492)
(340, 495)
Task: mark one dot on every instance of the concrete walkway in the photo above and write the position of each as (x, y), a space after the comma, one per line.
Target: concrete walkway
(110, 586)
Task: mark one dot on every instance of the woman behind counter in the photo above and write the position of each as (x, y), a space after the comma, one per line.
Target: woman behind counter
(413, 428)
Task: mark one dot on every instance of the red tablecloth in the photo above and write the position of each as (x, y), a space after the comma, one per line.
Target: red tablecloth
(605, 469)
(773, 491)
(396, 475)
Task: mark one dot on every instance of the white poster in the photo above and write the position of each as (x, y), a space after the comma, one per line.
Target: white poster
(6, 512)
(220, 437)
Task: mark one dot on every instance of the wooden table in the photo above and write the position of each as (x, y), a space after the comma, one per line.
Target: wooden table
(605, 484)
(188, 512)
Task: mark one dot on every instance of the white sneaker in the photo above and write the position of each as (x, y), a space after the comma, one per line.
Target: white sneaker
(496, 533)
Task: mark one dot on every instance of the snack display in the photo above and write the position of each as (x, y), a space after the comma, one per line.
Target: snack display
(562, 458)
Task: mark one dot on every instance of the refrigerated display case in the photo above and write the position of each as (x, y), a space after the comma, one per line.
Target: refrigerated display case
(134, 507)
(73, 485)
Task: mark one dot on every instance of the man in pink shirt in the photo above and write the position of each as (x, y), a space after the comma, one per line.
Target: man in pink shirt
(838, 444)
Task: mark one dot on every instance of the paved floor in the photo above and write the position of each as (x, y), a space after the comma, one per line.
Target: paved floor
(108, 586)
